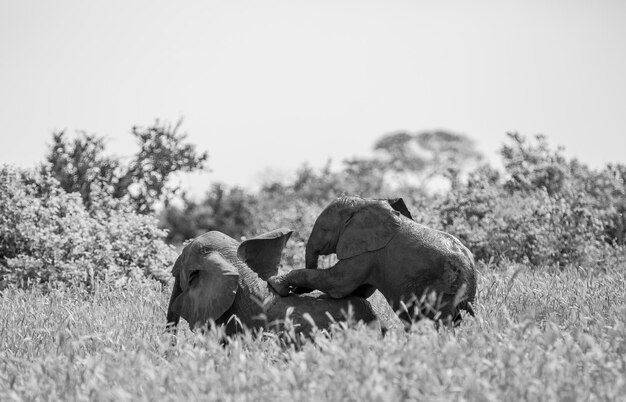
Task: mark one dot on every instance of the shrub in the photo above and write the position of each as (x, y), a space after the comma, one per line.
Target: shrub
(222, 208)
(532, 227)
(546, 210)
(81, 166)
(48, 236)
(533, 165)
(607, 191)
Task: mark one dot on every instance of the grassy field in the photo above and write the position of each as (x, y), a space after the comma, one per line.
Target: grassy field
(537, 336)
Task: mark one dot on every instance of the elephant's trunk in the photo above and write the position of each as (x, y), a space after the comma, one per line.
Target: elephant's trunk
(311, 256)
(172, 317)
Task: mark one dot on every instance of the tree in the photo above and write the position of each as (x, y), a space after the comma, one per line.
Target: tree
(533, 165)
(364, 176)
(81, 166)
(309, 184)
(417, 159)
(224, 209)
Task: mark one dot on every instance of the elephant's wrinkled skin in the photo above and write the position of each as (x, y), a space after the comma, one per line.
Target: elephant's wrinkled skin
(379, 246)
(216, 279)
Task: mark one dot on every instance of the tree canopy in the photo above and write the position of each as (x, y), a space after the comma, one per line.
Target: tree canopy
(80, 165)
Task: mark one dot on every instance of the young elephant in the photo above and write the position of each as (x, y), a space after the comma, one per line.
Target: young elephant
(216, 278)
(379, 246)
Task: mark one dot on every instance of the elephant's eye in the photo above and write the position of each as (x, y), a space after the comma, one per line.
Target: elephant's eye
(193, 277)
(205, 250)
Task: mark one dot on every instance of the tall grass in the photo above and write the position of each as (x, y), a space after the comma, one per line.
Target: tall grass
(538, 335)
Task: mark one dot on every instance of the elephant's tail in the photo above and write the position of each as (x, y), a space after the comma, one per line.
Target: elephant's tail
(467, 306)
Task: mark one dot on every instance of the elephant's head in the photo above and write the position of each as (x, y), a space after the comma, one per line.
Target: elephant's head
(350, 226)
(207, 273)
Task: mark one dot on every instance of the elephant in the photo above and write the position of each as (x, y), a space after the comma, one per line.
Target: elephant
(379, 246)
(218, 279)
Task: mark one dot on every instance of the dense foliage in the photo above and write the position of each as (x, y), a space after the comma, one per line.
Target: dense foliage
(546, 210)
(225, 209)
(542, 210)
(48, 236)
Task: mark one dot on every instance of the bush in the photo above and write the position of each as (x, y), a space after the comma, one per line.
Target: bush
(607, 191)
(524, 227)
(547, 210)
(81, 166)
(222, 208)
(48, 236)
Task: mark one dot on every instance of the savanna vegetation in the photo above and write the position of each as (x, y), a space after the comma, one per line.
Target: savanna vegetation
(87, 242)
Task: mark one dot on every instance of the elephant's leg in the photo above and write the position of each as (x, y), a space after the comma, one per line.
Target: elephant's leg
(338, 281)
(364, 291)
(300, 291)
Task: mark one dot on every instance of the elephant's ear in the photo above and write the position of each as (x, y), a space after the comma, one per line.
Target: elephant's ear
(262, 253)
(369, 229)
(399, 205)
(177, 265)
(209, 292)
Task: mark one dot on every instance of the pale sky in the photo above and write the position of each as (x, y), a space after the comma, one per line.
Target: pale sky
(267, 85)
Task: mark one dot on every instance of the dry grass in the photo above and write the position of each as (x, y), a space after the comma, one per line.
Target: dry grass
(537, 336)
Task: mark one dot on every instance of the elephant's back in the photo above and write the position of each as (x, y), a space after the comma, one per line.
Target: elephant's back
(319, 306)
(437, 260)
(324, 310)
(434, 244)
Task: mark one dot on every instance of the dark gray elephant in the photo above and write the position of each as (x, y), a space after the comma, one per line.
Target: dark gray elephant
(379, 246)
(216, 278)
